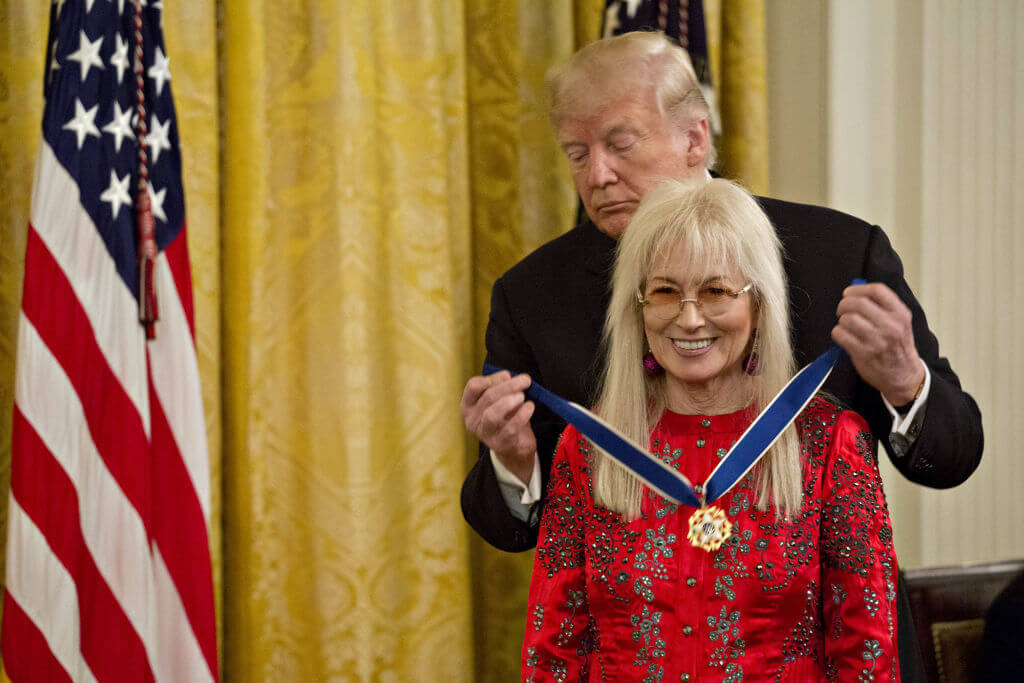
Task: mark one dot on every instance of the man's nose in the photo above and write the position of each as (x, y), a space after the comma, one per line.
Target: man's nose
(601, 170)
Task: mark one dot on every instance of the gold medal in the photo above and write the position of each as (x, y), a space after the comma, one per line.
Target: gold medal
(709, 528)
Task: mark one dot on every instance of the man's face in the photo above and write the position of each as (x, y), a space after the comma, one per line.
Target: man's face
(619, 153)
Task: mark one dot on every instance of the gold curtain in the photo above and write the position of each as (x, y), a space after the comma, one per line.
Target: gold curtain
(736, 43)
(356, 178)
(23, 31)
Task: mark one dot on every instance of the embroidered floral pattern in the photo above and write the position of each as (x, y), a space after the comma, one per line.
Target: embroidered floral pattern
(577, 599)
(724, 630)
(828, 572)
(647, 632)
(839, 596)
(871, 600)
(871, 652)
(802, 640)
(656, 547)
(538, 616)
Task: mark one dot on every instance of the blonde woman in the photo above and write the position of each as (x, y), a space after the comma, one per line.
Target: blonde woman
(800, 582)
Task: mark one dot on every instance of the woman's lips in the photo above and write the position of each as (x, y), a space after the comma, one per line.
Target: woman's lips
(693, 347)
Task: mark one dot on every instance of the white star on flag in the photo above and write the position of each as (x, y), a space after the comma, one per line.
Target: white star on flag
(60, 6)
(158, 136)
(54, 64)
(120, 57)
(120, 5)
(120, 126)
(83, 122)
(156, 202)
(611, 18)
(87, 55)
(632, 6)
(161, 69)
(117, 193)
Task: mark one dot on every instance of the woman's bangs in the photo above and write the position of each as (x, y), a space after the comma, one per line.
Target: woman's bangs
(707, 249)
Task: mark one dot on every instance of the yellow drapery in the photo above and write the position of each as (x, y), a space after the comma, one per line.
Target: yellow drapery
(736, 41)
(356, 178)
(23, 30)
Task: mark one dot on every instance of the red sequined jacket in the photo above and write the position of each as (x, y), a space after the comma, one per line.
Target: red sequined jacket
(807, 599)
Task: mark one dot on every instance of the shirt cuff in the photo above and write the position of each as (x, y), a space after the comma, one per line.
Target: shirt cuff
(519, 497)
(907, 427)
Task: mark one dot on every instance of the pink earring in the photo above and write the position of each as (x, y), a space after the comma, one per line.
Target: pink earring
(751, 365)
(651, 365)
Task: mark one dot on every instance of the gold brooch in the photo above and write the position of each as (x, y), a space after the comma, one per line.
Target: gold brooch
(709, 528)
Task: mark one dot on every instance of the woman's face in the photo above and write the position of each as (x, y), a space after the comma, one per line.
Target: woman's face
(701, 349)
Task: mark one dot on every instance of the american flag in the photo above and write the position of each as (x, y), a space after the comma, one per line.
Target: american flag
(108, 563)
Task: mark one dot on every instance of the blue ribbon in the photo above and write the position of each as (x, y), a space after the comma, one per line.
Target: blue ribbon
(650, 469)
(758, 438)
(772, 421)
(668, 482)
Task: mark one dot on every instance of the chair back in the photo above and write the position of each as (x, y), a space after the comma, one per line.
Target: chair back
(948, 606)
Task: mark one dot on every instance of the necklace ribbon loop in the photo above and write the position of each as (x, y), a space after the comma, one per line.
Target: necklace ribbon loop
(753, 443)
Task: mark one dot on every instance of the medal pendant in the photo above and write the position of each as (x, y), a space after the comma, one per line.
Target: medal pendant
(709, 528)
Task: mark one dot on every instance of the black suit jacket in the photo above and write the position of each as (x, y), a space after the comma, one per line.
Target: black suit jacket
(547, 314)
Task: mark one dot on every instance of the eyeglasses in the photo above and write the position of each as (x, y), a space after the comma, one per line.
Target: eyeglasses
(666, 302)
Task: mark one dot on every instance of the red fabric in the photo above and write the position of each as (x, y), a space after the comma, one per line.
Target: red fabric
(34, 662)
(110, 646)
(802, 600)
(114, 423)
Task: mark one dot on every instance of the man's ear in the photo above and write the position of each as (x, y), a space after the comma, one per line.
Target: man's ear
(698, 143)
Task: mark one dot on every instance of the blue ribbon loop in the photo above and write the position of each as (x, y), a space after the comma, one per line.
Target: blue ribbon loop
(668, 482)
(754, 442)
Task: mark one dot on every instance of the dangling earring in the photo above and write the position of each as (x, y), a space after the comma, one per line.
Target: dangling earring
(651, 365)
(753, 361)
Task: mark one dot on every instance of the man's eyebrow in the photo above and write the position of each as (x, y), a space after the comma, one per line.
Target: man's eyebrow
(620, 128)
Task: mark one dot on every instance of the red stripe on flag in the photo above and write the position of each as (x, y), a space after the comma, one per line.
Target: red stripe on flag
(26, 654)
(177, 259)
(179, 530)
(110, 645)
(115, 425)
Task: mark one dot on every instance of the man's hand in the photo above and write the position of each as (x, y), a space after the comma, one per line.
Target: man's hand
(495, 409)
(875, 329)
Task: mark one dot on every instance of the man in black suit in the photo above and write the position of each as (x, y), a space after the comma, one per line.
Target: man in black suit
(628, 112)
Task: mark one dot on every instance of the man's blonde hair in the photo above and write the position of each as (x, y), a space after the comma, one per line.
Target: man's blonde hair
(625, 65)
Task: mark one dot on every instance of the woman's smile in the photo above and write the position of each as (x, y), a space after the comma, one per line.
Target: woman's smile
(693, 347)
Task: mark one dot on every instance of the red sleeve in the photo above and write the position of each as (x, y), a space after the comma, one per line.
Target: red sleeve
(558, 630)
(858, 561)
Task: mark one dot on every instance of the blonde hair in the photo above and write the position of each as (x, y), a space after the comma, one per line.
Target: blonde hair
(625, 64)
(716, 223)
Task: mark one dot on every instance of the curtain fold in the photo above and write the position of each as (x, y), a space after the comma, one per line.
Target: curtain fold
(23, 31)
(346, 258)
(736, 36)
(356, 178)
(190, 28)
(521, 197)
